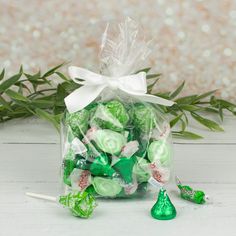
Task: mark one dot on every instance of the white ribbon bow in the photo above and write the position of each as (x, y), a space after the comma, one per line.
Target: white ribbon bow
(93, 84)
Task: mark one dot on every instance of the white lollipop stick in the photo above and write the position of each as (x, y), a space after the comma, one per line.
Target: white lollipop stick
(42, 196)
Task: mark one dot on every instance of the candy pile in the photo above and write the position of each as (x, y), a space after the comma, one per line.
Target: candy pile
(112, 148)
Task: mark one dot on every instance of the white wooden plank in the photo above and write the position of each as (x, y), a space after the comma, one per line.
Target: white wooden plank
(33, 130)
(21, 215)
(30, 130)
(40, 163)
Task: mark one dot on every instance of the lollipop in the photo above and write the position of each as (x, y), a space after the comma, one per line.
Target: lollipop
(187, 193)
(109, 141)
(78, 122)
(81, 204)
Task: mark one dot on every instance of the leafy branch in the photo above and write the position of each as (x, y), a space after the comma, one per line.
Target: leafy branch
(23, 95)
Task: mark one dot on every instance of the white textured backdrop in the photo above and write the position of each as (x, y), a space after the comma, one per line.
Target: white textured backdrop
(195, 40)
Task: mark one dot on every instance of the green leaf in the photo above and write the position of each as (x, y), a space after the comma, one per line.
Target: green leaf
(21, 69)
(150, 86)
(62, 76)
(221, 113)
(48, 117)
(186, 100)
(186, 135)
(175, 120)
(9, 82)
(2, 74)
(189, 107)
(204, 95)
(152, 76)
(177, 91)
(144, 70)
(225, 103)
(4, 103)
(53, 70)
(16, 96)
(210, 124)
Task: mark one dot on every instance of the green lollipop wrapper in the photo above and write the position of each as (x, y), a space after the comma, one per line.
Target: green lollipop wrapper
(78, 122)
(81, 204)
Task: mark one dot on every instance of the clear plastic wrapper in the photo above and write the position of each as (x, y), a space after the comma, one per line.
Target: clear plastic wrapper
(116, 143)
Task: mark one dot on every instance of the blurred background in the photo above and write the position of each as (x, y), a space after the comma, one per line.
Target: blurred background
(194, 40)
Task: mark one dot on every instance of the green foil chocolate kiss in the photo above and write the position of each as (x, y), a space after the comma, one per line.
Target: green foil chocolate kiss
(78, 122)
(109, 141)
(163, 209)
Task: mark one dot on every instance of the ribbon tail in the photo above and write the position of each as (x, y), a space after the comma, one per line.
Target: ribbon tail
(82, 97)
(151, 98)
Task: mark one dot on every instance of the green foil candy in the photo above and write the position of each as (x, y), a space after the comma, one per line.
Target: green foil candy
(81, 204)
(163, 209)
(112, 115)
(106, 187)
(144, 117)
(159, 150)
(78, 122)
(124, 166)
(187, 193)
(101, 166)
(109, 141)
(68, 166)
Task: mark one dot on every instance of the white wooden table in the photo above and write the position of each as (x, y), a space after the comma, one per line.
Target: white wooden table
(30, 160)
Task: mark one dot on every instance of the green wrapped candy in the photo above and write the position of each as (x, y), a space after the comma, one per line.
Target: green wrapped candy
(159, 150)
(90, 189)
(78, 122)
(68, 166)
(163, 209)
(187, 193)
(144, 117)
(140, 170)
(124, 166)
(106, 187)
(81, 204)
(101, 166)
(112, 115)
(109, 141)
